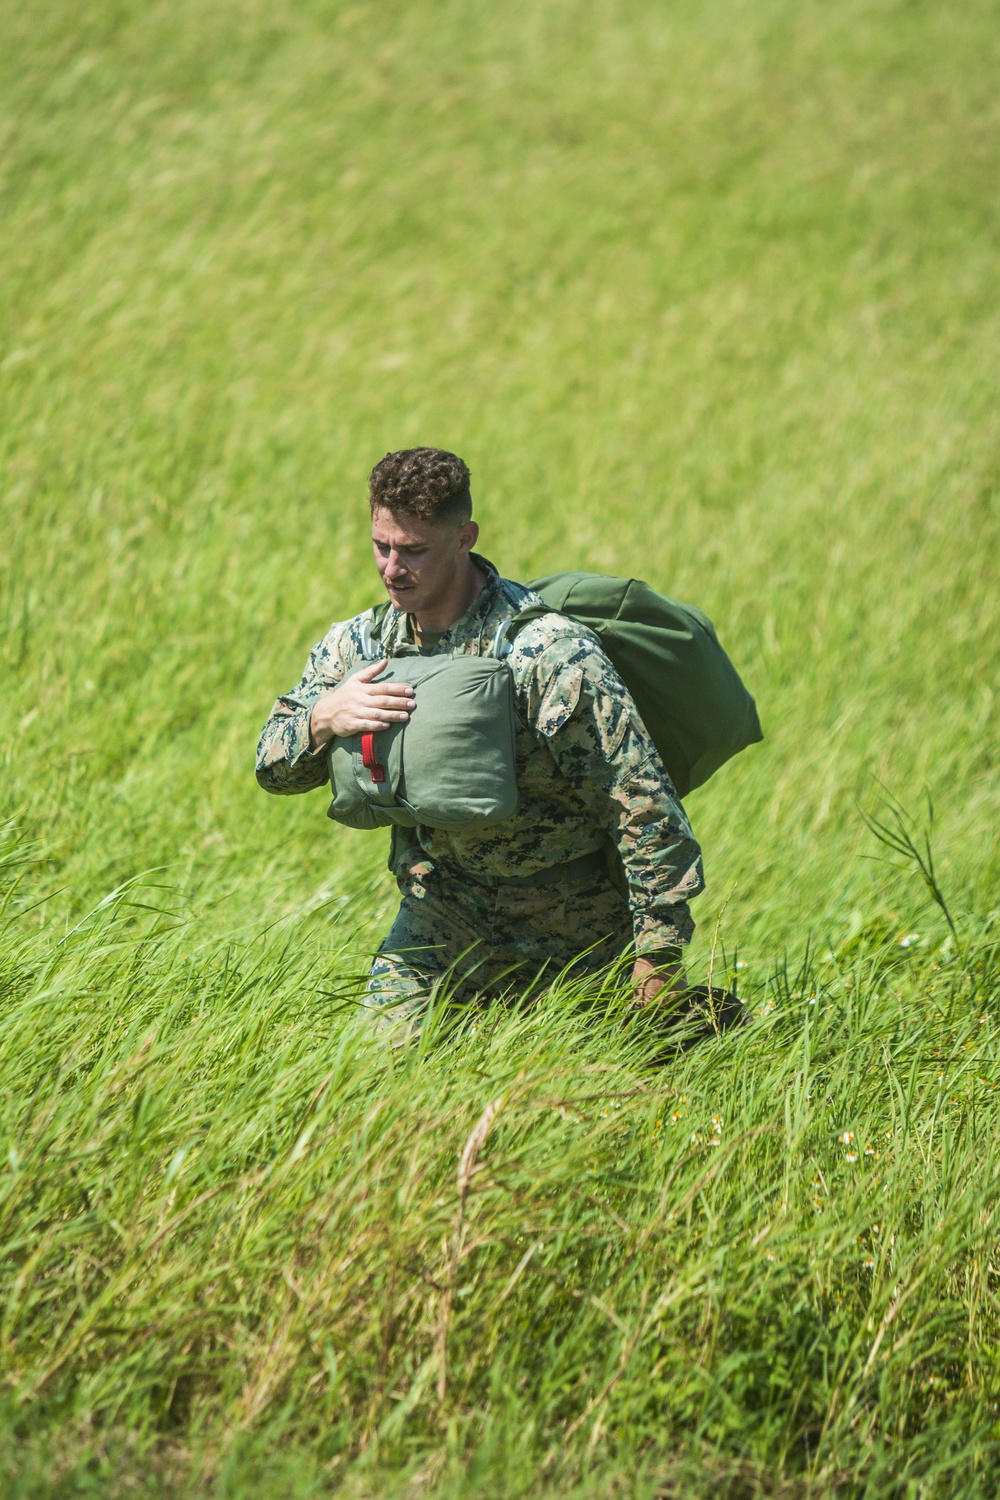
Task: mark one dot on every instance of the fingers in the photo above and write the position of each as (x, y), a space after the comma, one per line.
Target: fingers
(367, 673)
(392, 715)
(369, 719)
(396, 689)
(384, 701)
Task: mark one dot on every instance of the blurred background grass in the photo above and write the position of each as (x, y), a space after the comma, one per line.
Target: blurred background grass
(704, 293)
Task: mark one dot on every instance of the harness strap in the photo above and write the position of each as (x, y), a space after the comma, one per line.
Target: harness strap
(509, 628)
(371, 632)
(500, 646)
(382, 613)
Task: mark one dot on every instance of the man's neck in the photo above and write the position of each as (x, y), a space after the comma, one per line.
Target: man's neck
(468, 586)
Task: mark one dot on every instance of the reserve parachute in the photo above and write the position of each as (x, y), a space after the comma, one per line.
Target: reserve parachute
(452, 764)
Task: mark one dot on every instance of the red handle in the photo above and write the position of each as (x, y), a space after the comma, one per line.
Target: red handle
(369, 759)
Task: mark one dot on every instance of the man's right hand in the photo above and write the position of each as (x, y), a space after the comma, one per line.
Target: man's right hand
(360, 706)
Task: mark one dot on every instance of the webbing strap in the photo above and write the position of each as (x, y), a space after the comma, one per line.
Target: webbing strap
(508, 628)
(382, 613)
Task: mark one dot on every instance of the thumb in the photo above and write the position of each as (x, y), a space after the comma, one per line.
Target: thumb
(367, 673)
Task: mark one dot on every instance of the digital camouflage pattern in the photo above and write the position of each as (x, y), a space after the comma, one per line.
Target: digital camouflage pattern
(484, 938)
(588, 777)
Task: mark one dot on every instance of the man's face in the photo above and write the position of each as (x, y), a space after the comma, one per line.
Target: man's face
(418, 562)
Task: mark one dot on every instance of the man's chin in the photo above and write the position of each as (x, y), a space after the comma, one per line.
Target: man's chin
(402, 599)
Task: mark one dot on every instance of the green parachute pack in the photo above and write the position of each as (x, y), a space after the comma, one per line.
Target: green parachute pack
(452, 765)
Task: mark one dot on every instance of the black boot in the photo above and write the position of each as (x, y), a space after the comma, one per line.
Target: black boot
(698, 1015)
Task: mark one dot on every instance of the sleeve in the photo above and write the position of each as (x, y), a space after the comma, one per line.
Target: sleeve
(285, 763)
(576, 700)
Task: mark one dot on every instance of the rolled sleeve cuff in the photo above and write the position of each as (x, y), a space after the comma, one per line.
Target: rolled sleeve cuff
(653, 934)
(285, 741)
(297, 738)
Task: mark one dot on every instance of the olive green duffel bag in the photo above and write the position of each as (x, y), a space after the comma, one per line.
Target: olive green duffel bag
(455, 755)
(690, 697)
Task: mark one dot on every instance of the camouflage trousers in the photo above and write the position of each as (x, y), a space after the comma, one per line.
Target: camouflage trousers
(484, 938)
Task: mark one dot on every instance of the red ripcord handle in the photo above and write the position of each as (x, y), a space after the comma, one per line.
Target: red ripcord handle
(369, 758)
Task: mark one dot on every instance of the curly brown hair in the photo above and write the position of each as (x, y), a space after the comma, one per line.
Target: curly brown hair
(427, 483)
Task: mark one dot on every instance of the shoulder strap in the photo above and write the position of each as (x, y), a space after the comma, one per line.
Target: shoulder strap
(509, 628)
(503, 639)
(371, 631)
(380, 614)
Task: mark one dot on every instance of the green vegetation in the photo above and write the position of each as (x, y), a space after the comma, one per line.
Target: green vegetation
(704, 293)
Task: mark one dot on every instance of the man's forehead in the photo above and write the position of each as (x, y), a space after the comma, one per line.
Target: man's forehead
(404, 531)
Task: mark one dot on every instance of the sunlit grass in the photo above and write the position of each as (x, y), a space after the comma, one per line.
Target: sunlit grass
(230, 1216)
(704, 294)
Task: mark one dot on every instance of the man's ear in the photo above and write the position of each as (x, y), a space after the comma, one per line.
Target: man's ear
(468, 536)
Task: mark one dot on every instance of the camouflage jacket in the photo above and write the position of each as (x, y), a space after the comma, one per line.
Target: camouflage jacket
(587, 770)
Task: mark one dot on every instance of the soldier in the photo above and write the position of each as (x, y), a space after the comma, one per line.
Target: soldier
(599, 859)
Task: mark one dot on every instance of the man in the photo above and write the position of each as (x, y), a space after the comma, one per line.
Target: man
(599, 858)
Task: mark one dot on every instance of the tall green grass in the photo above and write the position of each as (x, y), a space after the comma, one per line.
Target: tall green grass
(704, 293)
(247, 1249)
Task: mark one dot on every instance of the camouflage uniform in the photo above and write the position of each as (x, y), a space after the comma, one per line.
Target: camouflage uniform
(518, 901)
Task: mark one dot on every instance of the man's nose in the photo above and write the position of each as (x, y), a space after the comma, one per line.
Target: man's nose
(395, 567)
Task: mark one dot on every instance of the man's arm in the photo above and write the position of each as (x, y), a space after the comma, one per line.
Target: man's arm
(291, 749)
(287, 760)
(600, 744)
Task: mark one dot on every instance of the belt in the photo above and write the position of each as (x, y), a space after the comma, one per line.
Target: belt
(572, 872)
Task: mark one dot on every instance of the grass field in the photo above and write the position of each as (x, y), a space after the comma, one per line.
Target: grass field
(704, 293)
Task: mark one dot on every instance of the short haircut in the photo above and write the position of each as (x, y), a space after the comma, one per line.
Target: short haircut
(427, 483)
